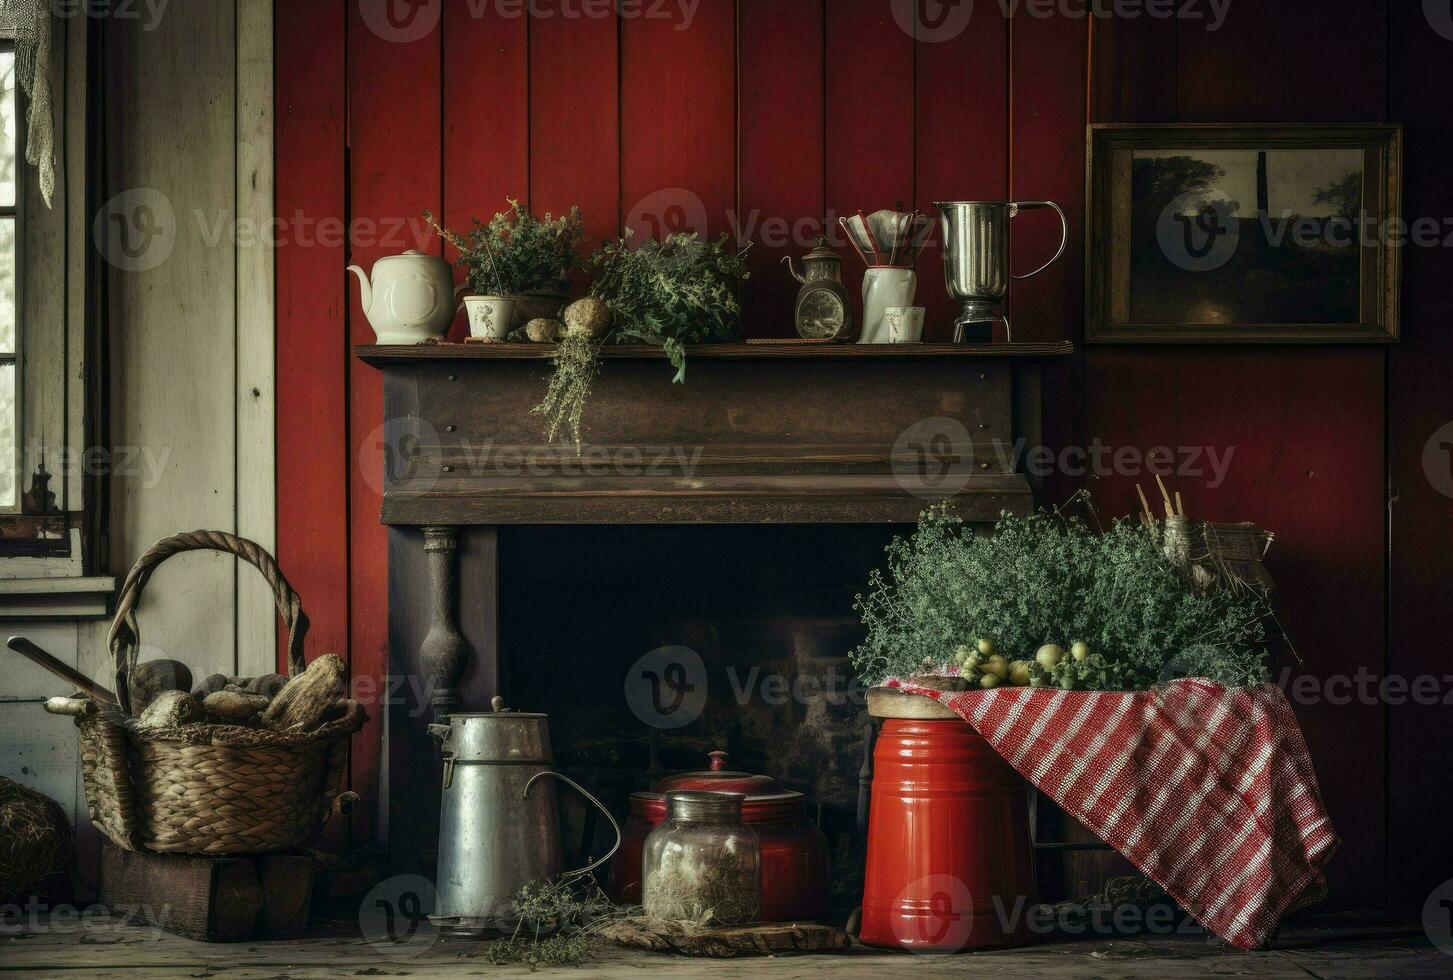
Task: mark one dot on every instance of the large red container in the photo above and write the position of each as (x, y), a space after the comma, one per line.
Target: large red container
(794, 851)
(950, 864)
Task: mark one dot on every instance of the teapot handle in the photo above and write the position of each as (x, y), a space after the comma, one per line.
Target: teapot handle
(598, 805)
(1064, 231)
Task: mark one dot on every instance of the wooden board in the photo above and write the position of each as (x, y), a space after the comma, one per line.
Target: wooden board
(256, 313)
(869, 125)
(1308, 424)
(313, 450)
(961, 154)
(768, 939)
(1369, 948)
(212, 899)
(172, 328)
(575, 118)
(758, 351)
(678, 121)
(395, 100)
(1420, 391)
(486, 150)
(780, 152)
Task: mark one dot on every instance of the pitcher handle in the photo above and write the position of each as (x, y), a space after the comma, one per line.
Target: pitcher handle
(1064, 231)
(598, 805)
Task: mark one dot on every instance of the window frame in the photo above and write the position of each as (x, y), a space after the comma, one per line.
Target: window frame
(16, 358)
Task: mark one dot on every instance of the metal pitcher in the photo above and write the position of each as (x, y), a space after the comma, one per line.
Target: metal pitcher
(499, 825)
(976, 256)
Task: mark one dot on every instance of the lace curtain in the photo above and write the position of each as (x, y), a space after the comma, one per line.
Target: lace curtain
(29, 22)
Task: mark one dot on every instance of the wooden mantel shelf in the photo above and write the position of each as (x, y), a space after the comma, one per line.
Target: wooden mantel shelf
(759, 433)
(380, 355)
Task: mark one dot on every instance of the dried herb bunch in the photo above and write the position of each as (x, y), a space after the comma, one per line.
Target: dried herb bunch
(668, 293)
(574, 366)
(1050, 579)
(554, 923)
(678, 290)
(516, 252)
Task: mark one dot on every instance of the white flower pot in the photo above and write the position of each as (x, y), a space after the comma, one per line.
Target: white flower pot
(489, 317)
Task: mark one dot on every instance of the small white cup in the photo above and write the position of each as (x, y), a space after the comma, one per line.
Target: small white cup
(905, 324)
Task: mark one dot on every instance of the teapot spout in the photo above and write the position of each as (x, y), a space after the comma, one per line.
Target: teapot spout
(787, 261)
(365, 285)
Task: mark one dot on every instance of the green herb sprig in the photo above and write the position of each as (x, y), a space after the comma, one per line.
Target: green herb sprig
(515, 252)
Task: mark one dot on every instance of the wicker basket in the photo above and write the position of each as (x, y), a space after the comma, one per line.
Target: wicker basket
(208, 789)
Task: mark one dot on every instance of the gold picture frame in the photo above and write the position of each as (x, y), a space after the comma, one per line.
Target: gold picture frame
(1243, 233)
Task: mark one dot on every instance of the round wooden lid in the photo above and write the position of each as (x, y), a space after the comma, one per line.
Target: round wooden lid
(889, 702)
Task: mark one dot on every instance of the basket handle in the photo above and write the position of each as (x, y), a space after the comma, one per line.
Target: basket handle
(123, 639)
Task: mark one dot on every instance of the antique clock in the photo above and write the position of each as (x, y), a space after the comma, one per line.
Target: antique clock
(822, 310)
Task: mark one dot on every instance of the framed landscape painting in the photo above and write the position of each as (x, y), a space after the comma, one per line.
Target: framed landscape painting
(1244, 233)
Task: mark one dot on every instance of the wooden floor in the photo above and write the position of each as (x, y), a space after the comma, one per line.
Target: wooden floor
(1319, 950)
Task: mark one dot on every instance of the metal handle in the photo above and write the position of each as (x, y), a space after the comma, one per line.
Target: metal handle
(1064, 231)
(598, 805)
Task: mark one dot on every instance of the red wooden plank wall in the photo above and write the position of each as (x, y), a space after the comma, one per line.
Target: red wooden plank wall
(1305, 426)
(770, 118)
(1420, 405)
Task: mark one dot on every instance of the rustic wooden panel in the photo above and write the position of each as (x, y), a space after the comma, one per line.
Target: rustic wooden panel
(1311, 439)
(173, 319)
(79, 337)
(575, 117)
(486, 117)
(40, 750)
(312, 338)
(872, 441)
(26, 681)
(256, 314)
(1420, 404)
(1047, 146)
(756, 351)
(780, 152)
(395, 95)
(869, 118)
(678, 120)
(1132, 70)
(962, 135)
(42, 390)
(1047, 98)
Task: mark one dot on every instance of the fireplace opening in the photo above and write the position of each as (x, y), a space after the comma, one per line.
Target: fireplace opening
(652, 646)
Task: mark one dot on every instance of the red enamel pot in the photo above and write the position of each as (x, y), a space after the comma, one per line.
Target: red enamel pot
(950, 864)
(794, 850)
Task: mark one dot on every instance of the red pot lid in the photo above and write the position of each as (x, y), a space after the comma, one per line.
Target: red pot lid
(720, 779)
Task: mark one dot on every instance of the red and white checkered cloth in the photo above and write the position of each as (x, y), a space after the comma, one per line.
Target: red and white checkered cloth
(1208, 790)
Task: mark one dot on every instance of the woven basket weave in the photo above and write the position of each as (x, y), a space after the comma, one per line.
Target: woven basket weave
(208, 789)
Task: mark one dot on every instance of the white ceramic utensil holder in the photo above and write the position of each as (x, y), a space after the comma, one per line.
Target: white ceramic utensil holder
(884, 286)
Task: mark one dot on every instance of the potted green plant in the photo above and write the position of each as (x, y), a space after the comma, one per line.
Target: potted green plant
(517, 266)
(667, 293)
(1048, 601)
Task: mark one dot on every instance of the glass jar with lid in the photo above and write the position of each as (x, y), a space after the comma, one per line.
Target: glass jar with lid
(704, 863)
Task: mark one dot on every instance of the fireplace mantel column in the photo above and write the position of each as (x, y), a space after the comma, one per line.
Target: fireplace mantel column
(444, 653)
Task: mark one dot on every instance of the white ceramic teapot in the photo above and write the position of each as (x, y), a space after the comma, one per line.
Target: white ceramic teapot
(410, 299)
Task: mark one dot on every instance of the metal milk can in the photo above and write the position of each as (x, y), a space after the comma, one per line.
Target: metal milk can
(499, 823)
